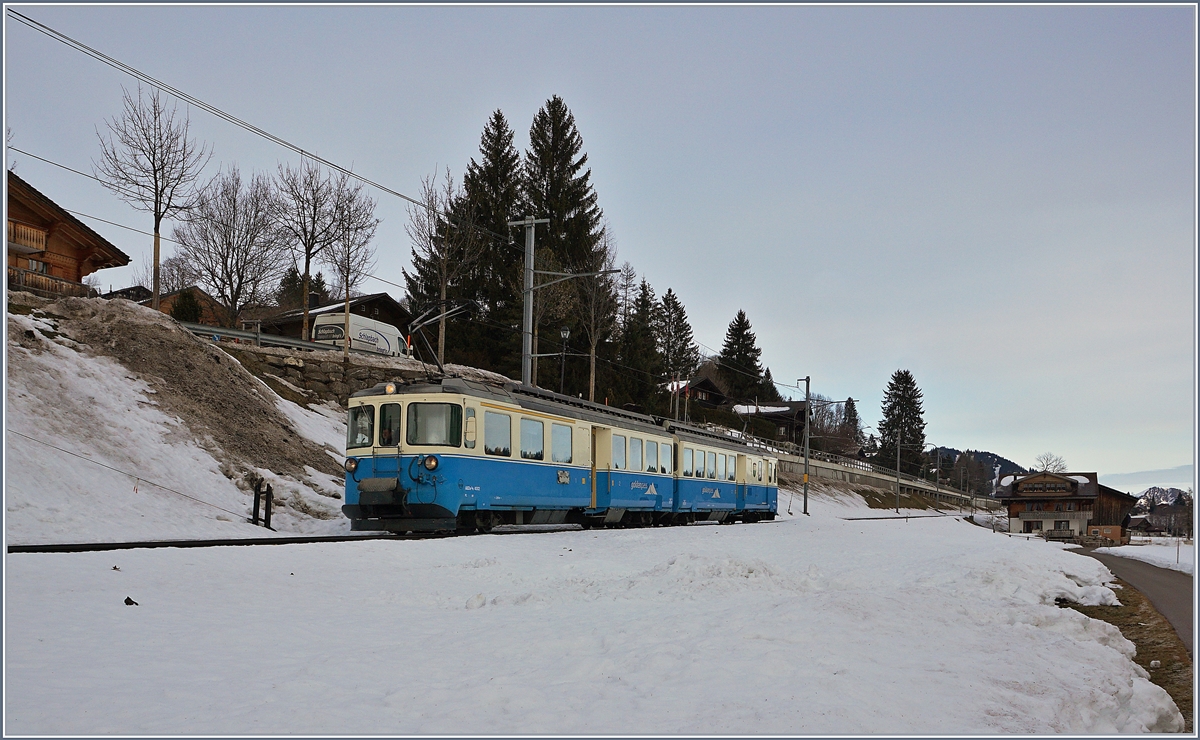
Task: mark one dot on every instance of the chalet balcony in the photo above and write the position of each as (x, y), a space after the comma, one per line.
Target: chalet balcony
(44, 285)
(25, 239)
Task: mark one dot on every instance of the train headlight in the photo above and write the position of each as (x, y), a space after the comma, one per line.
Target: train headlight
(390, 388)
(431, 463)
(351, 464)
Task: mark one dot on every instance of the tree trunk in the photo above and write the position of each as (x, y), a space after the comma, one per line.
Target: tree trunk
(346, 330)
(154, 303)
(592, 374)
(304, 297)
(442, 328)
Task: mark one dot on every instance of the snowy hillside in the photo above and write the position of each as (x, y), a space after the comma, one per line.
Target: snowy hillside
(807, 625)
(110, 404)
(1155, 495)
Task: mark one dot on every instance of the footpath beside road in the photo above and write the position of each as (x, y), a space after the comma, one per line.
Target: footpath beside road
(1170, 591)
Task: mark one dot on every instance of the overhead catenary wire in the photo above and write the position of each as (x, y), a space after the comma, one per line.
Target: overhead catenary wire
(135, 477)
(212, 109)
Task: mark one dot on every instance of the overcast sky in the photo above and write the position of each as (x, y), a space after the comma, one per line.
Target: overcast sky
(998, 199)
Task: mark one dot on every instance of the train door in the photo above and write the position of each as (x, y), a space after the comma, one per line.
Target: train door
(601, 460)
(740, 481)
(386, 452)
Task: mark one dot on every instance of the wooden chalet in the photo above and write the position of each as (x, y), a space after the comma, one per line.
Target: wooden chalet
(50, 251)
(377, 307)
(1065, 506)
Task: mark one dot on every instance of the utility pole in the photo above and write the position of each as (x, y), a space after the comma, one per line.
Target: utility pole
(527, 324)
(898, 430)
(807, 416)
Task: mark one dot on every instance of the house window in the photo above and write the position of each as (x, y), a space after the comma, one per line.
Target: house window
(1070, 506)
(1095, 532)
(1061, 524)
(39, 266)
(1058, 507)
(1033, 525)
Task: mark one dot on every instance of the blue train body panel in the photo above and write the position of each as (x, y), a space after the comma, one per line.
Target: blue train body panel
(394, 490)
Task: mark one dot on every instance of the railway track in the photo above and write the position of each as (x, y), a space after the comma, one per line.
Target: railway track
(248, 541)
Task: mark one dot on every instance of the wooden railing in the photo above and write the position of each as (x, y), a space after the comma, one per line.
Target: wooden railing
(27, 236)
(44, 285)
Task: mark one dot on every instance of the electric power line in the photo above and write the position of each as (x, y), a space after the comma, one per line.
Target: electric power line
(122, 472)
(212, 109)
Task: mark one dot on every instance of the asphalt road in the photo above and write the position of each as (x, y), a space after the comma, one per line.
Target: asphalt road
(1168, 590)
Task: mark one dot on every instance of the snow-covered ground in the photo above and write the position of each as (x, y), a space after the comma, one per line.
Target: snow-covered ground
(1174, 554)
(809, 625)
(806, 625)
(91, 456)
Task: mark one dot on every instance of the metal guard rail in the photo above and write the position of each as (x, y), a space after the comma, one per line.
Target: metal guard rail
(847, 462)
(266, 340)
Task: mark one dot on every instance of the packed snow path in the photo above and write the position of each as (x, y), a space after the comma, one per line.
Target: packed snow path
(811, 625)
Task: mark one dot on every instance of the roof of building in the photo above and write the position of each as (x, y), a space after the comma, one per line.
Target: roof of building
(115, 257)
(339, 305)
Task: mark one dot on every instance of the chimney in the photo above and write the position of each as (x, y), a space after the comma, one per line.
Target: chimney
(314, 299)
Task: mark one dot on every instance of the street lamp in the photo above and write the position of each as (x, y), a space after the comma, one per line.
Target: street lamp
(565, 333)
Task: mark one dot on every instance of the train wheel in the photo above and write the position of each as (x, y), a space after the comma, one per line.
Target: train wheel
(484, 521)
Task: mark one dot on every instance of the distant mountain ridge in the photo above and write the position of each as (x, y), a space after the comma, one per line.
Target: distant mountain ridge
(989, 458)
(1155, 496)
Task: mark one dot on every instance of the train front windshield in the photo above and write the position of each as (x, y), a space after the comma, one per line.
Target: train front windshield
(434, 424)
(360, 431)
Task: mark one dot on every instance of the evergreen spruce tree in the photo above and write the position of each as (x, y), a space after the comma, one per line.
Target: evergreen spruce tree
(639, 357)
(557, 186)
(852, 423)
(186, 307)
(289, 294)
(680, 355)
(493, 191)
(903, 416)
(767, 390)
(738, 364)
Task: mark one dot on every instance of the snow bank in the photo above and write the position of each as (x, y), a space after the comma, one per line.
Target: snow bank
(1176, 557)
(91, 452)
(808, 625)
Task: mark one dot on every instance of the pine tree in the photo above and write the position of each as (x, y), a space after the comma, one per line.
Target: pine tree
(738, 361)
(186, 307)
(639, 357)
(902, 416)
(680, 355)
(291, 289)
(492, 190)
(852, 423)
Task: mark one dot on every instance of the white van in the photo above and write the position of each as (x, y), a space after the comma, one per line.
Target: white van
(365, 334)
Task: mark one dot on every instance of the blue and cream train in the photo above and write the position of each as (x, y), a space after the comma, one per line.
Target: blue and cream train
(453, 454)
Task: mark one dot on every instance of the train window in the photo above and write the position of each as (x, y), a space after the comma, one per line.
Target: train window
(651, 457)
(732, 467)
(389, 425)
(720, 467)
(667, 459)
(635, 453)
(711, 468)
(687, 460)
(560, 443)
(469, 440)
(497, 434)
(618, 450)
(434, 424)
(533, 444)
(361, 428)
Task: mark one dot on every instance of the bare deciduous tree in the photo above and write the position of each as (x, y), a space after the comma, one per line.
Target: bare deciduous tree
(597, 301)
(175, 273)
(308, 210)
(231, 241)
(351, 256)
(1050, 463)
(150, 163)
(445, 240)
